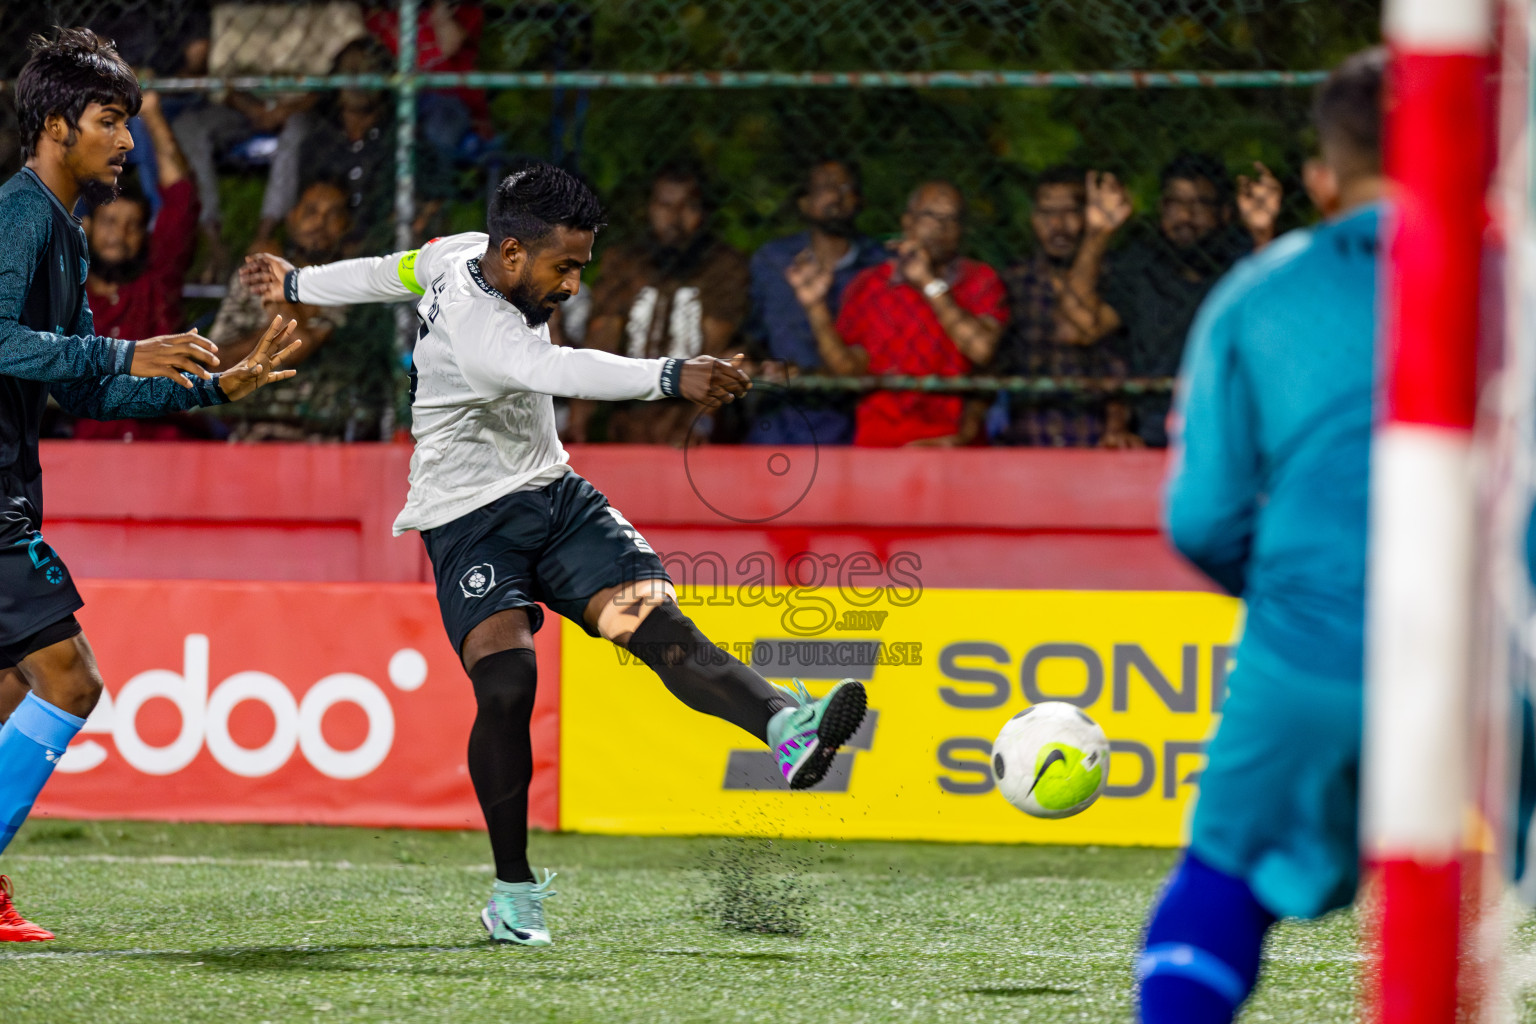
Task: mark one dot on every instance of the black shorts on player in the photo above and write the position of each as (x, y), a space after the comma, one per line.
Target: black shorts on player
(38, 599)
(559, 545)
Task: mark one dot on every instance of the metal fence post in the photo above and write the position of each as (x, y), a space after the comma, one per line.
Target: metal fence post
(405, 148)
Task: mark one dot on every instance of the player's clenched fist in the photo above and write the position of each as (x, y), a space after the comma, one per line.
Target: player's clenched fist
(712, 382)
(262, 274)
(173, 355)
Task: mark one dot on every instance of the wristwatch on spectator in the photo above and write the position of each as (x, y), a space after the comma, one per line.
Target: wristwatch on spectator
(938, 286)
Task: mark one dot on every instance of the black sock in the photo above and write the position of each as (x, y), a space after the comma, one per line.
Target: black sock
(501, 755)
(703, 676)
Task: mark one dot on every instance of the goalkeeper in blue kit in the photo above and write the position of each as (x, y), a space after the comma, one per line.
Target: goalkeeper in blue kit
(1267, 497)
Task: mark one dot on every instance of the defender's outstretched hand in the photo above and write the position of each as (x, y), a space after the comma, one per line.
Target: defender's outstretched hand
(172, 355)
(712, 382)
(260, 368)
(263, 273)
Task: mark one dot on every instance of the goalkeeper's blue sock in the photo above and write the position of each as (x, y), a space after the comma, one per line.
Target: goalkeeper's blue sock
(1201, 956)
(31, 743)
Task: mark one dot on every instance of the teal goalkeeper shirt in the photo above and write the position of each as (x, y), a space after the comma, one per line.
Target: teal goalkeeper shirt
(1272, 425)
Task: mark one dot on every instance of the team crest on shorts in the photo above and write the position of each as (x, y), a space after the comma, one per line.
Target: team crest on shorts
(478, 581)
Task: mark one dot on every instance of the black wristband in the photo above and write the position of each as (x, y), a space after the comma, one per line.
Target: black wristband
(291, 286)
(672, 378)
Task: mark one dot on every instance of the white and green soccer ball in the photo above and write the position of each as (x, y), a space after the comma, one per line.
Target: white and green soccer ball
(1051, 760)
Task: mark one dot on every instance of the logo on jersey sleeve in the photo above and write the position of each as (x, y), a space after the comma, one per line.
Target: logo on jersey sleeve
(478, 581)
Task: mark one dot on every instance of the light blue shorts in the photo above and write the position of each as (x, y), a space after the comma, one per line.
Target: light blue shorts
(1279, 802)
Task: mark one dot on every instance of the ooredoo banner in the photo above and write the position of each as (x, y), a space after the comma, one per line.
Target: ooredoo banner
(944, 669)
(343, 704)
(283, 702)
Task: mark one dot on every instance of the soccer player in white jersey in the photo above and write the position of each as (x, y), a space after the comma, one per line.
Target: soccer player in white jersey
(507, 523)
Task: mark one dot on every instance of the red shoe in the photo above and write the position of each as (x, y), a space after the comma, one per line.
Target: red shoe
(14, 927)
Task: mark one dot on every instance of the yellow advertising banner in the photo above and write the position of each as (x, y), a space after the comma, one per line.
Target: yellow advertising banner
(944, 670)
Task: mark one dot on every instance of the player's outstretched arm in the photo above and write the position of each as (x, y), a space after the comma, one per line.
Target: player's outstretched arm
(43, 355)
(123, 396)
(496, 362)
(389, 278)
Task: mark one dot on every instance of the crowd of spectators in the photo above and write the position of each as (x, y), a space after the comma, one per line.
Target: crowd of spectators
(829, 300)
(1083, 302)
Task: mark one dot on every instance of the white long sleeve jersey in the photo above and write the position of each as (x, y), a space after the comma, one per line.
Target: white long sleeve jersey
(481, 408)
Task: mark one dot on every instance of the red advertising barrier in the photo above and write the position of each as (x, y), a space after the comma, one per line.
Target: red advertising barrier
(985, 517)
(329, 703)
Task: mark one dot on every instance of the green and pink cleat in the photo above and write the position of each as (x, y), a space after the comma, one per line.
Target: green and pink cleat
(514, 915)
(805, 736)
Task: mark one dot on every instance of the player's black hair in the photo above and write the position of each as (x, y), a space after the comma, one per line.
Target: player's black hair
(1347, 107)
(1060, 174)
(66, 74)
(1197, 167)
(537, 198)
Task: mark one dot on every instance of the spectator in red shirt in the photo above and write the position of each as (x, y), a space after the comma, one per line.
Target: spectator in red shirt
(136, 275)
(926, 311)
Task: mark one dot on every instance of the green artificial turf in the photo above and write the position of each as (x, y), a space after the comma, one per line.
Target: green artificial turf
(169, 923)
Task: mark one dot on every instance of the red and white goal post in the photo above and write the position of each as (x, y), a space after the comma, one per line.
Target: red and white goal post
(1447, 597)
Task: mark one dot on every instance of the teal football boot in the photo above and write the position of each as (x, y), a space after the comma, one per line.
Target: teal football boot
(515, 912)
(805, 736)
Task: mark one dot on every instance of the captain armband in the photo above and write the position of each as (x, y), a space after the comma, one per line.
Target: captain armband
(406, 268)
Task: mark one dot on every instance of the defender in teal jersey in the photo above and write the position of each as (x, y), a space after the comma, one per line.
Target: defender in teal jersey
(73, 98)
(1268, 497)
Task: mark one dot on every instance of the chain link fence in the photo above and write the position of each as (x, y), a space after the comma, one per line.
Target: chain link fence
(747, 97)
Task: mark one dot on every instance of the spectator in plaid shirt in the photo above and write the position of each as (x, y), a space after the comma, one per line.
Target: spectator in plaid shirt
(1052, 332)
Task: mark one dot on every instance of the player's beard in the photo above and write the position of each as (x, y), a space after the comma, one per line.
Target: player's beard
(536, 308)
(95, 193)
